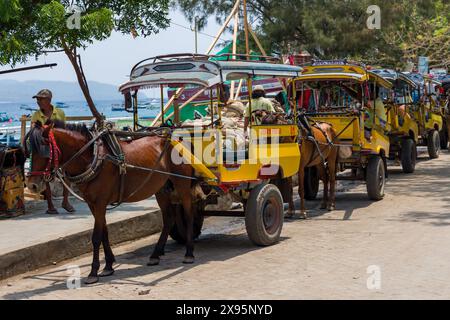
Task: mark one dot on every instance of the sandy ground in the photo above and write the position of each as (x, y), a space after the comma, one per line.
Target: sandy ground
(393, 249)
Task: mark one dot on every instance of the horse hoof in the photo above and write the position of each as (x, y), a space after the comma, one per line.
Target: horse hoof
(91, 280)
(331, 208)
(303, 216)
(106, 273)
(188, 260)
(289, 215)
(153, 262)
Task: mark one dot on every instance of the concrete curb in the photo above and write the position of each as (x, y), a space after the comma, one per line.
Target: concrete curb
(71, 246)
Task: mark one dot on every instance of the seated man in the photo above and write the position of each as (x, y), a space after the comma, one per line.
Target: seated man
(371, 114)
(258, 102)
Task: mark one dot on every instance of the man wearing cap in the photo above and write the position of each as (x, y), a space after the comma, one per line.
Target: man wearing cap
(258, 102)
(48, 112)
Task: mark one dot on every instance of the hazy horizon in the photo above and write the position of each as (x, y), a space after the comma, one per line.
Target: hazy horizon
(110, 61)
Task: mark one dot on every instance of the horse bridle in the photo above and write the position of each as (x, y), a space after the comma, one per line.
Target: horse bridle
(53, 169)
(53, 161)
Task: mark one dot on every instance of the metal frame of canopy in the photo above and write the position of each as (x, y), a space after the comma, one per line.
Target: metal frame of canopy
(188, 69)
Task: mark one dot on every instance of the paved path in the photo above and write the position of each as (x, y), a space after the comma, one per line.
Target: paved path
(396, 248)
(38, 227)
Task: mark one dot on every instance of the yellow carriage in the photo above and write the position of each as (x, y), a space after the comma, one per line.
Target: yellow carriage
(229, 171)
(403, 128)
(342, 93)
(427, 112)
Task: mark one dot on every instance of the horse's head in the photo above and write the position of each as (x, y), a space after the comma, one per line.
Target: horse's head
(42, 155)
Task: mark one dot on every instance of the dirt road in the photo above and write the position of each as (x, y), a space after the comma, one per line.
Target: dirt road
(396, 248)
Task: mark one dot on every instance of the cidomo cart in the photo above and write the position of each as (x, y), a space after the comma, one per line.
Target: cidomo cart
(427, 113)
(403, 129)
(338, 92)
(242, 174)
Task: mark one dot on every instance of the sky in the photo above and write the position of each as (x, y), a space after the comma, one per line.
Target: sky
(111, 60)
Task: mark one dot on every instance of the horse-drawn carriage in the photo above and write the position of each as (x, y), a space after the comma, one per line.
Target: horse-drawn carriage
(228, 170)
(403, 129)
(346, 95)
(427, 112)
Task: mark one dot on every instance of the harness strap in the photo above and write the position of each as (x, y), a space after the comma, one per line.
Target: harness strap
(147, 179)
(95, 138)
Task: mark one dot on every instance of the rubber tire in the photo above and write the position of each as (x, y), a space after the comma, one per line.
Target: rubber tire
(375, 171)
(434, 144)
(408, 156)
(311, 185)
(254, 219)
(443, 136)
(178, 231)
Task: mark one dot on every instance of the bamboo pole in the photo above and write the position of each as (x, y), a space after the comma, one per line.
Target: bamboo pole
(189, 101)
(257, 41)
(211, 47)
(222, 29)
(247, 48)
(167, 105)
(235, 33)
(238, 89)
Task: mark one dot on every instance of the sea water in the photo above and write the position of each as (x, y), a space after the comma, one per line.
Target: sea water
(15, 110)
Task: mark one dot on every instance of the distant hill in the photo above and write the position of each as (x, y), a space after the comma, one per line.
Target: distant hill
(22, 91)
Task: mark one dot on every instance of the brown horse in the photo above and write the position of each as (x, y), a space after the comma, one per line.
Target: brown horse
(322, 154)
(153, 152)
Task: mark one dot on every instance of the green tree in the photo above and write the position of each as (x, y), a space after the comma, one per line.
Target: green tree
(331, 29)
(425, 33)
(32, 28)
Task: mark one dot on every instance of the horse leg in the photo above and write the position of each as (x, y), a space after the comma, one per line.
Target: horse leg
(189, 214)
(48, 196)
(97, 236)
(286, 188)
(65, 203)
(109, 255)
(184, 191)
(168, 215)
(332, 167)
(301, 192)
(290, 196)
(324, 177)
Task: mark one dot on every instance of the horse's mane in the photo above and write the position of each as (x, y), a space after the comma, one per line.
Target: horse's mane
(75, 127)
(37, 140)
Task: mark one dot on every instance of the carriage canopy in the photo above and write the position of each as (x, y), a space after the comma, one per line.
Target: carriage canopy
(200, 70)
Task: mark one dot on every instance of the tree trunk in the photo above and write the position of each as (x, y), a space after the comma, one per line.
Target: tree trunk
(71, 54)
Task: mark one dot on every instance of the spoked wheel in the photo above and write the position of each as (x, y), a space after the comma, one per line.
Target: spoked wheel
(409, 155)
(375, 178)
(178, 231)
(434, 144)
(311, 183)
(264, 215)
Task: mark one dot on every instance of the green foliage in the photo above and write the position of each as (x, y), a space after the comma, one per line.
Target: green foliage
(337, 28)
(30, 27)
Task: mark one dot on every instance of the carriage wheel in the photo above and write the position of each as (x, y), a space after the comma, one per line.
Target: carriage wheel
(434, 144)
(311, 185)
(375, 178)
(264, 215)
(408, 155)
(178, 231)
